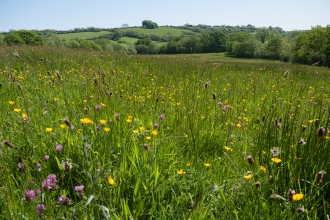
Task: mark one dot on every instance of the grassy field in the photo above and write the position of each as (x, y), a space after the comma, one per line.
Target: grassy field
(161, 31)
(82, 35)
(93, 135)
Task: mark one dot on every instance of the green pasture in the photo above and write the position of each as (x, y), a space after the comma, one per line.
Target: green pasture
(161, 31)
(81, 35)
(100, 135)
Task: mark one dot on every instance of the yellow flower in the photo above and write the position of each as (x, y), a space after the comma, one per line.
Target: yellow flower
(85, 100)
(128, 120)
(181, 172)
(86, 121)
(238, 125)
(17, 110)
(148, 138)
(276, 160)
(262, 168)
(111, 181)
(106, 129)
(102, 104)
(297, 197)
(142, 129)
(228, 148)
(154, 132)
(248, 176)
(49, 129)
(188, 164)
(78, 131)
(207, 164)
(11, 103)
(25, 116)
(129, 117)
(103, 122)
(136, 131)
(263, 152)
(56, 99)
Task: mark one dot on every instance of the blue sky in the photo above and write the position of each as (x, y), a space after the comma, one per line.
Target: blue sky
(70, 14)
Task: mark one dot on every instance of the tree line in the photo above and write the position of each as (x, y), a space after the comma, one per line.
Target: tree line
(305, 47)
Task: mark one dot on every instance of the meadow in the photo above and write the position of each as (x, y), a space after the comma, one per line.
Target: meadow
(94, 135)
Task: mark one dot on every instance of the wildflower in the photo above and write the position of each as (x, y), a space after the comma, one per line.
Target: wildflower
(224, 108)
(319, 176)
(49, 129)
(207, 164)
(98, 107)
(275, 151)
(297, 197)
(263, 152)
(111, 181)
(55, 99)
(9, 144)
(220, 103)
(276, 160)
(29, 195)
(142, 129)
(250, 159)
(247, 177)
(67, 122)
(79, 188)
(25, 116)
(117, 116)
(11, 102)
(188, 164)
(154, 132)
(148, 138)
(262, 168)
(106, 129)
(181, 172)
(17, 110)
(40, 208)
(228, 148)
(102, 104)
(21, 167)
(128, 120)
(156, 125)
(59, 148)
(67, 165)
(146, 146)
(65, 201)
(103, 122)
(258, 184)
(49, 183)
(161, 117)
(63, 125)
(301, 211)
(86, 121)
(136, 131)
(301, 141)
(290, 194)
(238, 125)
(320, 132)
(46, 157)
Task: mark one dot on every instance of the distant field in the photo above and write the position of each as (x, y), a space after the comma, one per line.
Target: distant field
(221, 57)
(81, 35)
(129, 39)
(162, 31)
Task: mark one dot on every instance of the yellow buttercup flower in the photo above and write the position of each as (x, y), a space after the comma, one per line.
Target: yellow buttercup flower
(207, 164)
(63, 125)
(103, 122)
(188, 164)
(128, 120)
(148, 138)
(238, 125)
(17, 110)
(228, 148)
(142, 129)
(106, 129)
(136, 131)
(154, 132)
(111, 181)
(297, 197)
(181, 172)
(11, 103)
(102, 104)
(262, 168)
(49, 129)
(247, 177)
(276, 160)
(86, 121)
(56, 99)
(25, 116)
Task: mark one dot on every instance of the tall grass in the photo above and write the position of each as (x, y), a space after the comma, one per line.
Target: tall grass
(159, 137)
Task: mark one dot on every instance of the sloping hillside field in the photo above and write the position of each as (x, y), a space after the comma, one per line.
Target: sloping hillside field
(93, 135)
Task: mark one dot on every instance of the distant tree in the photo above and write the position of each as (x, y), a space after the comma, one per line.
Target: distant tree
(117, 34)
(274, 46)
(90, 45)
(144, 41)
(124, 25)
(23, 37)
(262, 34)
(73, 43)
(149, 24)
